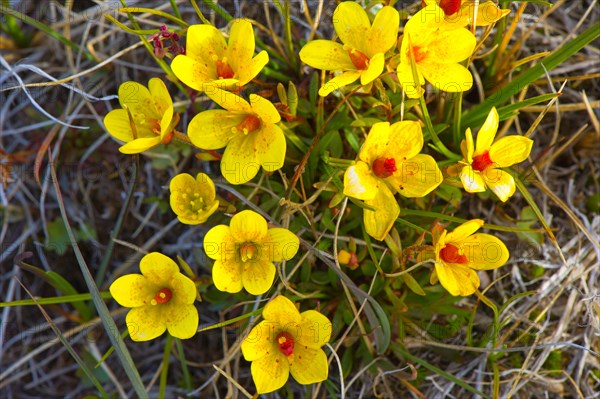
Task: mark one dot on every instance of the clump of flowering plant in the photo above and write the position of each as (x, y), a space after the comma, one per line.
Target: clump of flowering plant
(435, 47)
(285, 342)
(146, 118)
(161, 299)
(245, 250)
(362, 54)
(211, 62)
(193, 200)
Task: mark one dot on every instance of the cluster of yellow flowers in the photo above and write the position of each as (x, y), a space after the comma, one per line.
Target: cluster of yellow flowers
(434, 43)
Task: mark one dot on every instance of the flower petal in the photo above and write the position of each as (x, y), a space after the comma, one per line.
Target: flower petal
(240, 163)
(510, 150)
(132, 290)
(165, 122)
(194, 73)
(488, 13)
(264, 108)
(485, 252)
(456, 279)
(375, 68)
(281, 311)
(463, 231)
(500, 182)
(417, 176)
(472, 181)
(338, 82)
(260, 341)
(452, 46)
(145, 323)
(213, 129)
(351, 23)
(249, 70)
(406, 79)
(280, 244)
(227, 276)
(451, 78)
(486, 134)
(377, 142)
(240, 47)
(378, 223)
(469, 150)
(184, 290)
(269, 146)
(360, 183)
(218, 241)
(383, 33)
(315, 329)
(139, 145)
(270, 372)
(136, 97)
(160, 95)
(158, 268)
(258, 276)
(326, 55)
(248, 226)
(181, 321)
(118, 125)
(204, 42)
(228, 100)
(405, 141)
(309, 365)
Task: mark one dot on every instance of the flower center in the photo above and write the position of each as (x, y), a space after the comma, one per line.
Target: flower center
(248, 251)
(359, 59)
(419, 53)
(224, 71)
(482, 161)
(249, 124)
(383, 167)
(285, 343)
(451, 254)
(450, 6)
(163, 296)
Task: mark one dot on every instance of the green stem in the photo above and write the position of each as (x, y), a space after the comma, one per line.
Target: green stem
(175, 9)
(456, 132)
(164, 371)
(437, 143)
(187, 379)
(199, 12)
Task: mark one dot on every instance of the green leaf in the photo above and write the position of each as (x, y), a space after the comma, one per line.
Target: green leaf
(412, 284)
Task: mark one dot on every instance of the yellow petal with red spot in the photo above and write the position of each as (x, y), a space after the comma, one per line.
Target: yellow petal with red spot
(213, 129)
(240, 46)
(487, 133)
(270, 372)
(510, 150)
(451, 78)
(158, 268)
(205, 42)
(281, 311)
(500, 182)
(184, 290)
(181, 321)
(227, 276)
(463, 231)
(405, 141)
(376, 144)
(472, 180)
(280, 244)
(339, 81)
(314, 330)
(379, 222)
(417, 176)
(240, 163)
(192, 72)
(308, 365)
(326, 55)
(360, 183)
(249, 70)
(406, 79)
(452, 47)
(260, 341)
(485, 252)
(248, 226)
(383, 33)
(132, 290)
(145, 323)
(264, 108)
(258, 276)
(351, 23)
(457, 280)
(375, 68)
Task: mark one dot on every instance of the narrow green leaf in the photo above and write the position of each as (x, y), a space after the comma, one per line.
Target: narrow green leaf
(55, 300)
(412, 284)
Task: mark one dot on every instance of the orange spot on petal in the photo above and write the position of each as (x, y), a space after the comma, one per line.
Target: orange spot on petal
(450, 254)
(359, 59)
(249, 124)
(450, 6)
(481, 162)
(383, 167)
(163, 296)
(285, 343)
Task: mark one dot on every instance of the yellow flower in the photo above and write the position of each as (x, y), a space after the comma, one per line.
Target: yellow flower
(363, 53)
(193, 200)
(437, 47)
(483, 161)
(210, 62)
(461, 11)
(248, 130)
(285, 342)
(389, 162)
(161, 299)
(460, 253)
(245, 250)
(146, 118)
